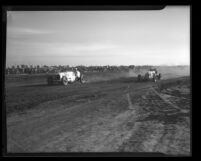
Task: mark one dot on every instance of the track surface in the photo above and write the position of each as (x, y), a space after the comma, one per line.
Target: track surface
(113, 116)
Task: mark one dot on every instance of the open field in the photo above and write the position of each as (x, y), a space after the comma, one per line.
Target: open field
(110, 113)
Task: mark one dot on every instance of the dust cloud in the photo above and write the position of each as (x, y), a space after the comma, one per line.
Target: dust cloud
(166, 71)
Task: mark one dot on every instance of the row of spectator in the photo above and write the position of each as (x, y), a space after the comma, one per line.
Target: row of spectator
(25, 69)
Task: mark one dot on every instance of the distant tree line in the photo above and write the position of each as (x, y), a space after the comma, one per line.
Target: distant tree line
(25, 69)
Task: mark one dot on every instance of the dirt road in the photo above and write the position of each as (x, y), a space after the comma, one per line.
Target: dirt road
(119, 116)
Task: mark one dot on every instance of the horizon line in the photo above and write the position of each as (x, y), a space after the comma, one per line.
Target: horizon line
(95, 65)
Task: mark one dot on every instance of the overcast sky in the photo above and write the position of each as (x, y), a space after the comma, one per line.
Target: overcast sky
(99, 37)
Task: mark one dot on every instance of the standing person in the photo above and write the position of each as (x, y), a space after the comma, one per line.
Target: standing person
(77, 73)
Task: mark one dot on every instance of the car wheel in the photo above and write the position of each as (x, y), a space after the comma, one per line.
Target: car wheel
(64, 81)
(82, 79)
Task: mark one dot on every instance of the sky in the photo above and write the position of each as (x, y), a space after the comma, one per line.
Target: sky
(160, 37)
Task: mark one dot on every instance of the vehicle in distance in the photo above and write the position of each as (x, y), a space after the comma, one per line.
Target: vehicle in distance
(151, 75)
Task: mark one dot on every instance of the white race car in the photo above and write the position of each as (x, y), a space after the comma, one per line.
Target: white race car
(65, 77)
(152, 74)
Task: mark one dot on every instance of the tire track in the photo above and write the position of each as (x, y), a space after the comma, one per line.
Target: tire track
(130, 105)
(58, 131)
(168, 102)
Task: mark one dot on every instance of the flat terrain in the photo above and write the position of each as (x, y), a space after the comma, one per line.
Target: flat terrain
(114, 115)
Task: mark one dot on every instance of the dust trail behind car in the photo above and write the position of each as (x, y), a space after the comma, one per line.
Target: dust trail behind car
(166, 71)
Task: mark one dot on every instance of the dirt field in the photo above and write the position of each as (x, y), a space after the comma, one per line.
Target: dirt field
(111, 115)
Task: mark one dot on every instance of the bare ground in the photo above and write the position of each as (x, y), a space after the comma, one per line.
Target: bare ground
(113, 116)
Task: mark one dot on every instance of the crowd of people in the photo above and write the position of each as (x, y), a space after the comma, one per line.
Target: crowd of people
(25, 69)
